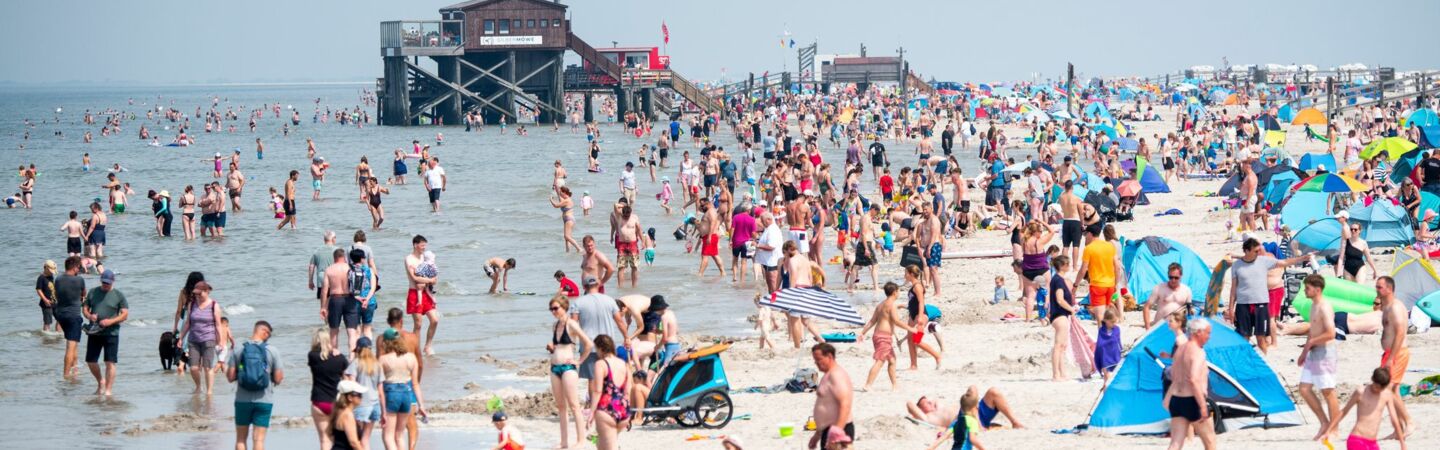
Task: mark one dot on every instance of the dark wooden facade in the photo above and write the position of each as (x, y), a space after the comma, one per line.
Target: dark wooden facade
(492, 25)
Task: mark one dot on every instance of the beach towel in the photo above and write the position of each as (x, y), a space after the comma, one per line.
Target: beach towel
(1170, 212)
(1083, 349)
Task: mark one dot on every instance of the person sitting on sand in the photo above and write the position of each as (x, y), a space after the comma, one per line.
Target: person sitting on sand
(993, 403)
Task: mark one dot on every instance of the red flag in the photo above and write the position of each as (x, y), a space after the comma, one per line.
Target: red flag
(666, 31)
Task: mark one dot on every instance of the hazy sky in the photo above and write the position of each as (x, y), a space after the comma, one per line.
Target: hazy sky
(186, 41)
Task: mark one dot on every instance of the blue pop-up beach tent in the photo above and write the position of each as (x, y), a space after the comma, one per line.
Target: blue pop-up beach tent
(1310, 162)
(1246, 391)
(1385, 224)
(1147, 262)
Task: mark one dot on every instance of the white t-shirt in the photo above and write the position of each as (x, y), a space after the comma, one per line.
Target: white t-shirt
(436, 177)
(773, 238)
(627, 179)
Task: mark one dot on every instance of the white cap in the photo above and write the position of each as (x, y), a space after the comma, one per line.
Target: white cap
(351, 387)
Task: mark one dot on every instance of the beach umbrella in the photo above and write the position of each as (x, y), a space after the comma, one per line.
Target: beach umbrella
(1018, 167)
(1331, 182)
(1126, 143)
(1038, 116)
(1128, 188)
(815, 302)
(1061, 114)
(1185, 87)
(1393, 146)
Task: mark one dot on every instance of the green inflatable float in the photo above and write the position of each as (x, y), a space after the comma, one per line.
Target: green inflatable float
(1343, 295)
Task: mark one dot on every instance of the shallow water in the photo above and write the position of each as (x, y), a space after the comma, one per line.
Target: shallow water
(495, 206)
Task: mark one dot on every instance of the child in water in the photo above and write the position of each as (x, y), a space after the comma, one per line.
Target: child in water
(586, 203)
(277, 204)
(1107, 345)
(665, 194)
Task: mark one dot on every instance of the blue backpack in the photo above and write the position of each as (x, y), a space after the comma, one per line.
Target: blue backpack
(254, 369)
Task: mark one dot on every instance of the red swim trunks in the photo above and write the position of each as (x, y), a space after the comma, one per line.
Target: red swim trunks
(419, 302)
(712, 245)
(1277, 297)
(1100, 296)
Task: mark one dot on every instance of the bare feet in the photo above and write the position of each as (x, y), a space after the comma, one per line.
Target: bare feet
(429, 351)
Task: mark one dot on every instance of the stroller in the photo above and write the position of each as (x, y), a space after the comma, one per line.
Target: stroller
(692, 390)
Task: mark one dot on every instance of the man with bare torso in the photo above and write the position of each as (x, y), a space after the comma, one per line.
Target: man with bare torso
(799, 268)
(338, 304)
(1168, 297)
(1373, 399)
(884, 320)
(74, 241)
(1186, 398)
(834, 427)
(1396, 356)
(419, 301)
(797, 212)
(628, 236)
(595, 264)
(1248, 187)
(932, 244)
(1070, 225)
(1319, 357)
(234, 183)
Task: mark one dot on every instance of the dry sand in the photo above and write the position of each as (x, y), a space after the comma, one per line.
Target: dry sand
(1013, 357)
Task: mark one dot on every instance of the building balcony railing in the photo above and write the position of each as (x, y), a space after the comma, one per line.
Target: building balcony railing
(421, 34)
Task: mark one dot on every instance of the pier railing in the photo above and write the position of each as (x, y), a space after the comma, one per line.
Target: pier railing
(422, 37)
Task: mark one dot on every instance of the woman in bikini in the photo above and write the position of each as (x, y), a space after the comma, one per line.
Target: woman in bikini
(919, 320)
(371, 192)
(565, 335)
(1035, 263)
(609, 394)
(362, 173)
(565, 204)
(187, 212)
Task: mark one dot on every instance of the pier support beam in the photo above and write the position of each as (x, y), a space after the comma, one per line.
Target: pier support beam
(647, 102)
(449, 70)
(589, 107)
(397, 92)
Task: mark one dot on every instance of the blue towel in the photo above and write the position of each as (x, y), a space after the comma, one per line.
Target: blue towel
(1169, 212)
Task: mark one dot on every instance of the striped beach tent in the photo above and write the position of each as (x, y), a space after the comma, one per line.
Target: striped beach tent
(815, 302)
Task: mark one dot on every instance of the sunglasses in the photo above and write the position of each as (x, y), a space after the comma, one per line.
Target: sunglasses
(554, 308)
(1174, 278)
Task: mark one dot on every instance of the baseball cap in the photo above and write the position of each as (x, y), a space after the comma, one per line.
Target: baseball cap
(391, 334)
(499, 416)
(363, 342)
(108, 277)
(591, 281)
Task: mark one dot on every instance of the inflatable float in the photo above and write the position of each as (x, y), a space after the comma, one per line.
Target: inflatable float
(1430, 305)
(707, 351)
(838, 337)
(1343, 295)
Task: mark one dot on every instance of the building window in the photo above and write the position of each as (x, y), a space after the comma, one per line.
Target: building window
(504, 26)
(489, 27)
(544, 23)
(530, 23)
(555, 23)
(516, 24)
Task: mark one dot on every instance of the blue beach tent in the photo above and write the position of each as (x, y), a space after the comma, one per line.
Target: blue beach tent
(1310, 162)
(1246, 391)
(1385, 224)
(1147, 262)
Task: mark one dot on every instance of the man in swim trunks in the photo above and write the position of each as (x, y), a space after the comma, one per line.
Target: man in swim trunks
(595, 264)
(234, 183)
(932, 244)
(992, 405)
(435, 183)
(338, 304)
(833, 400)
(797, 215)
(1070, 225)
(1396, 356)
(1185, 399)
(289, 203)
(317, 176)
(628, 236)
(418, 301)
(1098, 262)
(1319, 357)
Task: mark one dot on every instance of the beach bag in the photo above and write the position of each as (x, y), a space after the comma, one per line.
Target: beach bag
(910, 256)
(359, 280)
(805, 379)
(254, 368)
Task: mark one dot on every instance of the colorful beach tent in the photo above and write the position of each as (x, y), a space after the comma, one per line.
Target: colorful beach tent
(1248, 392)
(1385, 224)
(1313, 161)
(1309, 116)
(1286, 113)
(1393, 146)
(1429, 202)
(1150, 179)
(1423, 118)
(1147, 262)
(1415, 277)
(1275, 138)
(1320, 235)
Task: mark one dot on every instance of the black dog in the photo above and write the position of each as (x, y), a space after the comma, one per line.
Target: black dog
(169, 352)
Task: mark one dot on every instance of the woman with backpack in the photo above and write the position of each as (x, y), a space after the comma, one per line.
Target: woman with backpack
(201, 332)
(327, 367)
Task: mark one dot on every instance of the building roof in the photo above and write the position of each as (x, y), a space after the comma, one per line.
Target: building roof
(473, 4)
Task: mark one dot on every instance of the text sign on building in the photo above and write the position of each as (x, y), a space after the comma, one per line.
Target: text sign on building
(511, 40)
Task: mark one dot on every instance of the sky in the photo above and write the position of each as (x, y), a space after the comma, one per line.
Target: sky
(185, 42)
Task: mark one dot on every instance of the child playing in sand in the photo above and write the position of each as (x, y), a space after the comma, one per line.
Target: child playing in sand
(509, 438)
(964, 433)
(1107, 346)
(1374, 398)
(586, 203)
(1000, 293)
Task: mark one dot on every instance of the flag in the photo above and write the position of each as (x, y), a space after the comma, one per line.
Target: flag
(792, 43)
(666, 31)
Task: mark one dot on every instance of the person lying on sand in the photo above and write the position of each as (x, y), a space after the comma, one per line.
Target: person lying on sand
(992, 404)
(1345, 324)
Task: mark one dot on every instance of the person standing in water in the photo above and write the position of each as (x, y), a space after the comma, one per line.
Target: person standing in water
(419, 301)
(289, 202)
(435, 183)
(69, 297)
(234, 183)
(105, 308)
(74, 235)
